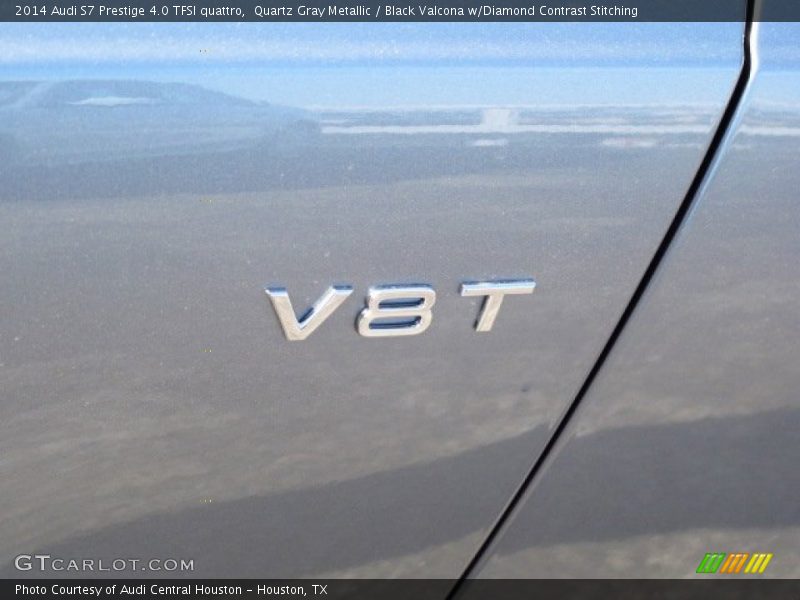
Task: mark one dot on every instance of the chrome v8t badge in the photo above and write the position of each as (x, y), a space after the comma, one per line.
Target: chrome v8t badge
(392, 310)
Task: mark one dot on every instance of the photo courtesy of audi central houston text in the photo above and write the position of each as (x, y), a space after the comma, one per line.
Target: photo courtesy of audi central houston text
(467, 300)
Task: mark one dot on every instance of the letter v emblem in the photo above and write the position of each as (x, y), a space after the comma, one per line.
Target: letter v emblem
(299, 329)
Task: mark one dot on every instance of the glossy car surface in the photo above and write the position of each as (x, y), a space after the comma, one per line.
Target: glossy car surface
(149, 192)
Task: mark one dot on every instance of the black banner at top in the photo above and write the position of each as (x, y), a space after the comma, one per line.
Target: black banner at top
(393, 10)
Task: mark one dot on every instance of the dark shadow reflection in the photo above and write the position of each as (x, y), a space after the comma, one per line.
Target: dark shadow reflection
(719, 472)
(710, 473)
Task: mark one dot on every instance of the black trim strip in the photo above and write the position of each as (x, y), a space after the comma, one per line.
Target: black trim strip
(700, 177)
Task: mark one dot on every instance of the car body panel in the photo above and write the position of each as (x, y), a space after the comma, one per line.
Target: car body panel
(686, 442)
(150, 400)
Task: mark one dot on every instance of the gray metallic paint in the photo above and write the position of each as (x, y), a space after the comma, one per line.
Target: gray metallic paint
(687, 441)
(149, 400)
